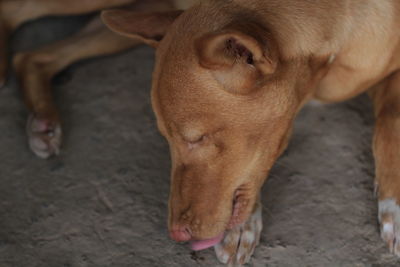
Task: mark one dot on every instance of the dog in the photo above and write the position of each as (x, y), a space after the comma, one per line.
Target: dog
(230, 77)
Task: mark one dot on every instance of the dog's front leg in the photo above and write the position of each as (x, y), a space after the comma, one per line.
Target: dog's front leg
(239, 243)
(386, 97)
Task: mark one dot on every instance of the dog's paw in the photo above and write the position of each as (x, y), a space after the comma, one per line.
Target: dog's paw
(44, 137)
(389, 218)
(238, 245)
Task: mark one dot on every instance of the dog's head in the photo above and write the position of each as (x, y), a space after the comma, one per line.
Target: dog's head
(225, 101)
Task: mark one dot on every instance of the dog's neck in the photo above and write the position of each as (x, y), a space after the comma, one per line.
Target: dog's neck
(305, 28)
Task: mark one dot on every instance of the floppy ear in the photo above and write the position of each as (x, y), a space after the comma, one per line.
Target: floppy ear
(148, 27)
(239, 58)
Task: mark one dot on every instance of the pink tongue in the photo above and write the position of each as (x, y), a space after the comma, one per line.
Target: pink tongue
(203, 244)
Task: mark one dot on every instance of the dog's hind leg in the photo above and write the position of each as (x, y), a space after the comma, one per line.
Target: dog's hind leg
(386, 146)
(36, 69)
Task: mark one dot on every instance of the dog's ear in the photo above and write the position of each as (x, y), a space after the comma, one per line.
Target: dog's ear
(148, 27)
(240, 60)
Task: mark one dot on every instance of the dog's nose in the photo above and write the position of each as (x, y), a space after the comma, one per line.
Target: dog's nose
(180, 234)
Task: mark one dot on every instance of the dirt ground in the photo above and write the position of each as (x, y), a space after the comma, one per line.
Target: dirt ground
(102, 202)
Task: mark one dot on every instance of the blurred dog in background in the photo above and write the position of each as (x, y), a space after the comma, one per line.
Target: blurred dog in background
(35, 69)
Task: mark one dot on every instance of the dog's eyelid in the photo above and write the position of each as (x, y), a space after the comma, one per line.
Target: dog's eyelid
(192, 134)
(195, 140)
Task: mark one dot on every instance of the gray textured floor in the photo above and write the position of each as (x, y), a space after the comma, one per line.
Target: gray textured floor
(103, 201)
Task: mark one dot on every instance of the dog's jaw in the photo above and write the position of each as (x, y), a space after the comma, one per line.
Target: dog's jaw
(240, 205)
(238, 218)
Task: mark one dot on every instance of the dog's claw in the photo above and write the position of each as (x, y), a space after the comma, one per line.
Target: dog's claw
(44, 137)
(238, 245)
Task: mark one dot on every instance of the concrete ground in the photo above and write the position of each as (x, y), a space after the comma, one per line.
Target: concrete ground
(102, 202)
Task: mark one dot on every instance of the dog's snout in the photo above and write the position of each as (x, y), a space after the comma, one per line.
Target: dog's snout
(180, 233)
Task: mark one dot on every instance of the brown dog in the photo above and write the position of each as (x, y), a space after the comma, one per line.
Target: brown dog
(230, 78)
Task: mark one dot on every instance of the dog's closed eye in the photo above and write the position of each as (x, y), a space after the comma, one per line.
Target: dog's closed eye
(193, 142)
(192, 135)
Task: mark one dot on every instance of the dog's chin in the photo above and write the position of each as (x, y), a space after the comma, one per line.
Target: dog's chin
(238, 217)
